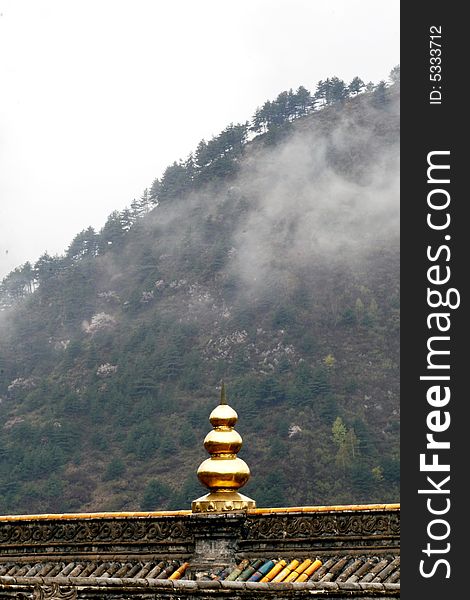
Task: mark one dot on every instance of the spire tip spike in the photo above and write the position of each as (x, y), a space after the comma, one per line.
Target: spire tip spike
(223, 399)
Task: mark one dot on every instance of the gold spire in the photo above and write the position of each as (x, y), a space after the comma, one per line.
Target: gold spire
(223, 473)
(223, 399)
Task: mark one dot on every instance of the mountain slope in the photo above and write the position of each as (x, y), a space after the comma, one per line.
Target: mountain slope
(275, 269)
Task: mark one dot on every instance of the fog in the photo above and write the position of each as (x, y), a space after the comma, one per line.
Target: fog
(306, 210)
(324, 198)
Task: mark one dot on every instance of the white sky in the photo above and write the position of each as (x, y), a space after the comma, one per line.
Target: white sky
(99, 96)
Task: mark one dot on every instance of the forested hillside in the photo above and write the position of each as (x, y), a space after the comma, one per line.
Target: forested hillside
(267, 259)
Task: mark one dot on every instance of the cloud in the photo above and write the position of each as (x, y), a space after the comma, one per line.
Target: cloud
(329, 196)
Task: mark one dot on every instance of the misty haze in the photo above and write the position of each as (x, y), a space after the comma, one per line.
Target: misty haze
(271, 264)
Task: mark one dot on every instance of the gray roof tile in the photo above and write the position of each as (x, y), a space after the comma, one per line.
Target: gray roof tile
(346, 571)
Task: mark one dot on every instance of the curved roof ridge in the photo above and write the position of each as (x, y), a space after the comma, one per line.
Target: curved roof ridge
(180, 513)
(332, 508)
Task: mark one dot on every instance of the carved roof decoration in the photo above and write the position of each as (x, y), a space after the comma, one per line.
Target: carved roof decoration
(339, 551)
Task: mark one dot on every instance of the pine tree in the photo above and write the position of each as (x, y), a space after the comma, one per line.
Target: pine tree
(127, 219)
(111, 233)
(356, 86)
(83, 244)
(201, 156)
(155, 191)
(303, 101)
(175, 183)
(145, 202)
(322, 92)
(395, 74)
(48, 267)
(338, 91)
(380, 93)
(259, 122)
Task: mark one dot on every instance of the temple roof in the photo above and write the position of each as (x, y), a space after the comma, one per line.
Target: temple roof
(339, 569)
(343, 574)
(332, 551)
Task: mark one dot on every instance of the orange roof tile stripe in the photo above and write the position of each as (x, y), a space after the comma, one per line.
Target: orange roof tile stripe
(179, 571)
(287, 570)
(299, 570)
(309, 571)
(274, 571)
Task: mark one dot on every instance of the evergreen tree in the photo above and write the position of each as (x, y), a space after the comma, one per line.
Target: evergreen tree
(303, 101)
(346, 441)
(236, 137)
(155, 191)
(29, 277)
(282, 107)
(17, 284)
(338, 91)
(260, 119)
(202, 157)
(145, 202)
(323, 91)
(83, 244)
(48, 267)
(135, 210)
(114, 470)
(111, 233)
(156, 495)
(127, 219)
(395, 74)
(175, 183)
(380, 93)
(356, 86)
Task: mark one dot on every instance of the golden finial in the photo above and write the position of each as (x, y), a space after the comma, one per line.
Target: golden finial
(223, 399)
(223, 473)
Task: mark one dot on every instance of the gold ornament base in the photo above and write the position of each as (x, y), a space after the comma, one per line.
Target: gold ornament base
(222, 501)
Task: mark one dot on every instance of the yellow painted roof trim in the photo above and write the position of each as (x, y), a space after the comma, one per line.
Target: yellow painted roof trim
(316, 509)
(181, 513)
(98, 515)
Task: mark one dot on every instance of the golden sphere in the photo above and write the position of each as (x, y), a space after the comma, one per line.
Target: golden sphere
(223, 415)
(223, 441)
(226, 473)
